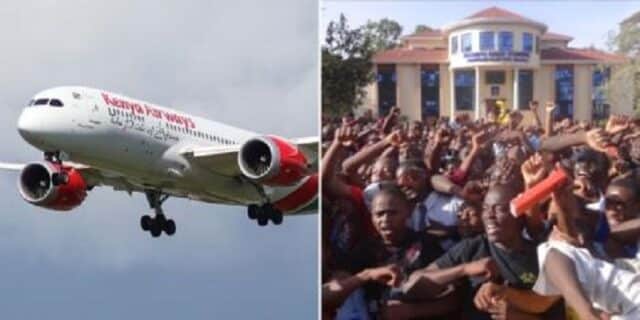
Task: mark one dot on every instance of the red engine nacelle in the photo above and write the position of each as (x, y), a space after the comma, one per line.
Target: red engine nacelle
(273, 161)
(52, 186)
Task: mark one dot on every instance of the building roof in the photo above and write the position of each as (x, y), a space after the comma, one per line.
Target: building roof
(496, 12)
(495, 15)
(416, 55)
(584, 54)
(556, 36)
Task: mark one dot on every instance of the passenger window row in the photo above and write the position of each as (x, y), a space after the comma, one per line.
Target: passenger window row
(200, 134)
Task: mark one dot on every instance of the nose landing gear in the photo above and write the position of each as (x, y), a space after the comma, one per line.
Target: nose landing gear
(159, 223)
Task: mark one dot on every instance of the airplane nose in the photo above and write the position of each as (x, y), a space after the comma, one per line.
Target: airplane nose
(28, 124)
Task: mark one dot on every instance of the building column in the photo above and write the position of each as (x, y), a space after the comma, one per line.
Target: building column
(408, 90)
(516, 76)
(477, 93)
(452, 85)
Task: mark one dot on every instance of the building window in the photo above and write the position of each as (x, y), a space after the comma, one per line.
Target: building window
(505, 41)
(600, 109)
(564, 91)
(454, 44)
(525, 88)
(466, 42)
(465, 82)
(430, 90)
(494, 77)
(527, 42)
(487, 41)
(386, 79)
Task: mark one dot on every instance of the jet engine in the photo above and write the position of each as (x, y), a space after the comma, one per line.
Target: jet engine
(272, 161)
(52, 186)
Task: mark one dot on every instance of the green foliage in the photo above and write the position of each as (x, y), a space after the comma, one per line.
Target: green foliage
(624, 85)
(383, 34)
(422, 28)
(346, 61)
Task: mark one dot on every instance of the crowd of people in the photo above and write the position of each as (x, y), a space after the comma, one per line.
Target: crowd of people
(418, 219)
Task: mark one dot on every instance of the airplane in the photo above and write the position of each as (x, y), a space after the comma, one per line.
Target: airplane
(91, 137)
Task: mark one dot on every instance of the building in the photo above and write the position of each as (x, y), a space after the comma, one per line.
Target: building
(493, 55)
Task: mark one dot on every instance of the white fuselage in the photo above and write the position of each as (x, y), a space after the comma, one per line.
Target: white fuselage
(135, 144)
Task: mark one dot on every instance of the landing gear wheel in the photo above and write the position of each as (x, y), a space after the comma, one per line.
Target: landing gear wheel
(159, 222)
(155, 228)
(276, 217)
(262, 221)
(170, 227)
(253, 211)
(145, 222)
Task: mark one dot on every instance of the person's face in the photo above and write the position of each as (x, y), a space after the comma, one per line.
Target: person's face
(501, 227)
(382, 170)
(412, 181)
(620, 204)
(389, 215)
(470, 221)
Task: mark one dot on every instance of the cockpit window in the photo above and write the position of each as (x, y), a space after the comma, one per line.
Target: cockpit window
(31, 102)
(41, 102)
(55, 103)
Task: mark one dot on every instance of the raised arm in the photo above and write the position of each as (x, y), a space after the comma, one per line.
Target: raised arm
(332, 184)
(549, 107)
(371, 152)
(533, 171)
(597, 139)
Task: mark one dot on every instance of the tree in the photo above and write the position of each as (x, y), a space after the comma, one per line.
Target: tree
(383, 34)
(623, 86)
(422, 28)
(346, 61)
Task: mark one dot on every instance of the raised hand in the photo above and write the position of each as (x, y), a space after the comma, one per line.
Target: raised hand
(345, 136)
(598, 140)
(533, 170)
(396, 138)
(550, 106)
(479, 140)
(616, 124)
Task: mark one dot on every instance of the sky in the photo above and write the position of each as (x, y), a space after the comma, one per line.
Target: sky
(588, 22)
(250, 64)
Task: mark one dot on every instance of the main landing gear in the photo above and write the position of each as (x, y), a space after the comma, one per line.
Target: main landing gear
(159, 223)
(264, 213)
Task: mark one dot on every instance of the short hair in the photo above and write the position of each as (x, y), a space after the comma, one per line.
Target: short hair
(412, 164)
(390, 189)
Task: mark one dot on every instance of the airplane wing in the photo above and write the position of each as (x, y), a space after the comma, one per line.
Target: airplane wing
(11, 166)
(224, 159)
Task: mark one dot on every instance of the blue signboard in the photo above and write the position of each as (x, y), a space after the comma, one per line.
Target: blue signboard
(497, 56)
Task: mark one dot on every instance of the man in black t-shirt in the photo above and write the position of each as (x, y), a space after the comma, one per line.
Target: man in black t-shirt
(396, 244)
(485, 266)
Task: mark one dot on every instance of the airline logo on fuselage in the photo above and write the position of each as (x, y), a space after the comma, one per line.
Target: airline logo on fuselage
(145, 109)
